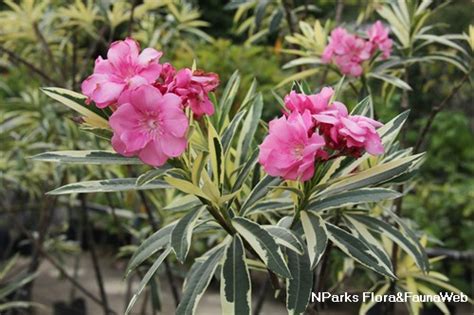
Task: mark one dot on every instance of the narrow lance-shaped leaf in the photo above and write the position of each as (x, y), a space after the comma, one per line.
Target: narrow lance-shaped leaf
(86, 157)
(216, 155)
(360, 231)
(66, 98)
(259, 191)
(147, 279)
(245, 171)
(249, 128)
(235, 280)
(300, 285)
(316, 236)
(285, 237)
(229, 132)
(183, 231)
(107, 185)
(408, 245)
(197, 282)
(354, 197)
(377, 174)
(263, 244)
(228, 97)
(356, 249)
(151, 245)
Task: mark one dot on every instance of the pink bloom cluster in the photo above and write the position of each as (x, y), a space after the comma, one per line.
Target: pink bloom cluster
(148, 100)
(348, 51)
(314, 129)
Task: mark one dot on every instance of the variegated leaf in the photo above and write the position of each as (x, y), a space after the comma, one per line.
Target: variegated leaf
(357, 249)
(409, 245)
(158, 240)
(353, 197)
(285, 237)
(236, 289)
(300, 285)
(197, 282)
(183, 231)
(315, 232)
(107, 185)
(149, 274)
(263, 244)
(86, 157)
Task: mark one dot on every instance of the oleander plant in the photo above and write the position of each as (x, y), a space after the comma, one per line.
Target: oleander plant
(307, 201)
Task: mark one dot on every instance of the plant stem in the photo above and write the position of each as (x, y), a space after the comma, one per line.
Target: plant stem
(95, 263)
(155, 227)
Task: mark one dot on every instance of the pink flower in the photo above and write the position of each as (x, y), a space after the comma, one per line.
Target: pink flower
(124, 69)
(291, 147)
(152, 126)
(347, 51)
(378, 36)
(192, 87)
(349, 134)
(313, 103)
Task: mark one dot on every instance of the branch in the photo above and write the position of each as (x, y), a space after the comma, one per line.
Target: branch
(17, 59)
(435, 111)
(55, 264)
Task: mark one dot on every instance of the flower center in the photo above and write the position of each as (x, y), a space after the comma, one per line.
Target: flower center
(298, 150)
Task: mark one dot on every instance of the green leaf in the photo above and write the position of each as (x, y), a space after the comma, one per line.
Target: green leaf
(236, 289)
(229, 132)
(300, 285)
(377, 174)
(263, 244)
(259, 191)
(275, 22)
(245, 171)
(16, 284)
(361, 232)
(68, 98)
(271, 205)
(285, 237)
(86, 157)
(182, 203)
(228, 97)
(20, 304)
(249, 128)
(409, 245)
(216, 155)
(153, 174)
(353, 197)
(186, 187)
(183, 232)
(158, 240)
(390, 79)
(299, 76)
(357, 249)
(107, 185)
(315, 232)
(364, 108)
(197, 281)
(149, 274)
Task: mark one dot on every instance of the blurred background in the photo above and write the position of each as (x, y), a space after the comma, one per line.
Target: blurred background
(67, 254)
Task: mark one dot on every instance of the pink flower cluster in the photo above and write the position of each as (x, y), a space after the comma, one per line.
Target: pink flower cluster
(148, 100)
(314, 129)
(348, 51)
